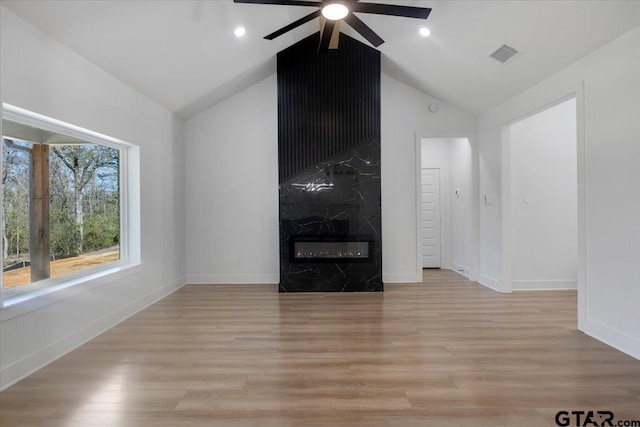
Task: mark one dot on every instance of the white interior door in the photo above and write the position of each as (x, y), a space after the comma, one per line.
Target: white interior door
(430, 223)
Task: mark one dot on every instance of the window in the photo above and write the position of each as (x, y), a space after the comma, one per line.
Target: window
(66, 205)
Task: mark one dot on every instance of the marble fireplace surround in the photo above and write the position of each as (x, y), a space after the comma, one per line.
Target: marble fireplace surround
(336, 200)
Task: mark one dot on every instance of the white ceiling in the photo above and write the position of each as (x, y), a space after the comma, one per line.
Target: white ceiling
(183, 54)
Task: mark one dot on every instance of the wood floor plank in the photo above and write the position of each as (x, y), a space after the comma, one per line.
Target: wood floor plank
(440, 353)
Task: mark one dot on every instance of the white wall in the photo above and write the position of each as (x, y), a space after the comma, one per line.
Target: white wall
(490, 225)
(544, 199)
(606, 82)
(41, 75)
(436, 154)
(461, 205)
(232, 216)
(232, 189)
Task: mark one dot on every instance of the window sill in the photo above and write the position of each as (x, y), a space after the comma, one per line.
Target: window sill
(19, 304)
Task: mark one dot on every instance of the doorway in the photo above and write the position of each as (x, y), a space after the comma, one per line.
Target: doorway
(445, 204)
(543, 199)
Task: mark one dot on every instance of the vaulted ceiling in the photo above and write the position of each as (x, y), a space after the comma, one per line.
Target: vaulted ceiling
(183, 54)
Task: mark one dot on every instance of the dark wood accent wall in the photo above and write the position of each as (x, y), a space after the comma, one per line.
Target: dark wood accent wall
(327, 103)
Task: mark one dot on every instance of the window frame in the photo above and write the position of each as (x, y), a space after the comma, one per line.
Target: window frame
(33, 295)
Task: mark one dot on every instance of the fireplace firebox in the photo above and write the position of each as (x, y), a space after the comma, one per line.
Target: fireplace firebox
(330, 249)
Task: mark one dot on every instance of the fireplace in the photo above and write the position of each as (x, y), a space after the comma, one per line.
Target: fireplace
(330, 241)
(329, 168)
(330, 249)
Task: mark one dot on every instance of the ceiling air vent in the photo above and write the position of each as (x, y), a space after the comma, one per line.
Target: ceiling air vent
(504, 54)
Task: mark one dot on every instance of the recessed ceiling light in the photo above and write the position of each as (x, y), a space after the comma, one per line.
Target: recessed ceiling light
(335, 11)
(240, 31)
(424, 31)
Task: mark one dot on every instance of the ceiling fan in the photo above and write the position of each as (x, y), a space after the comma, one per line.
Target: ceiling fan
(332, 12)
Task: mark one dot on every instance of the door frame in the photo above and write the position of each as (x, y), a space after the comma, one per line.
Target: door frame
(474, 252)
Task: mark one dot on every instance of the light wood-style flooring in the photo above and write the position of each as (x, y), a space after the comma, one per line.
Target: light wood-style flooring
(447, 352)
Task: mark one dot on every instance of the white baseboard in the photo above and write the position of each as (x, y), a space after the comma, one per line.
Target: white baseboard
(400, 278)
(233, 279)
(544, 285)
(618, 340)
(459, 269)
(31, 363)
(489, 282)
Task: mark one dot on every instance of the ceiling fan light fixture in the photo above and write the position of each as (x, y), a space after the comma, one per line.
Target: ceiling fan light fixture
(335, 11)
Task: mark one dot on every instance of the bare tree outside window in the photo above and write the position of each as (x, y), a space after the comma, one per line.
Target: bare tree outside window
(83, 225)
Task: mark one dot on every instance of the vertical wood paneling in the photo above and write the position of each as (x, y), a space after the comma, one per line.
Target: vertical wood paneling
(327, 103)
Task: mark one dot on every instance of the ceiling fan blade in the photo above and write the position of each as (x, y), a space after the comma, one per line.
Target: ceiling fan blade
(326, 35)
(391, 9)
(282, 2)
(363, 29)
(293, 25)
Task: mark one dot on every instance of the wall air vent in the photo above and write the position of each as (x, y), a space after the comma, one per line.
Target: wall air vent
(504, 54)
